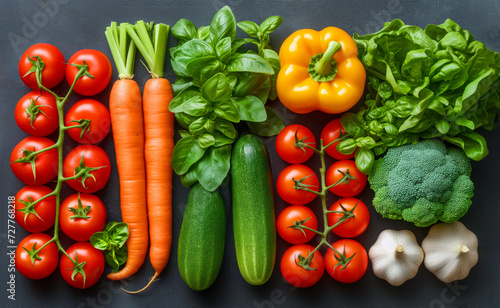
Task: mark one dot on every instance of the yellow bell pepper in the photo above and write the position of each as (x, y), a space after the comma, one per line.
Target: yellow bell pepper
(320, 70)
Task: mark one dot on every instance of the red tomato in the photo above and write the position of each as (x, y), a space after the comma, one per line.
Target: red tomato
(295, 274)
(46, 259)
(53, 70)
(285, 144)
(355, 268)
(351, 188)
(289, 216)
(46, 163)
(91, 156)
(81, 215)
(35, 218)
(286, 186)
(99, 67)
(91, 260)
(98, 121)
(353, 226)
(36, 114)
(330, 133)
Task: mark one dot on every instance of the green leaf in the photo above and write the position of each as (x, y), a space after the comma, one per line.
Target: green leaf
(250, 108)
(272, 58)
(184, 119)
(195, 106)
(203, 33)
(250, 28)
(100, 240)
(254, 84)
(191, 177)
(202, 125)
(226, 128)
(223, 50)
(204, 68)
(205, 140)
(248, 62)
(183, 30)
(239, 42)
(364, 159)
(118, 233)
(271, 24)
(216, 89)
(227, 110)
(472, 143)
(187, 151)
(179, 99)
(214, 167)
(221, 139)
(270, 127)
(223, 25)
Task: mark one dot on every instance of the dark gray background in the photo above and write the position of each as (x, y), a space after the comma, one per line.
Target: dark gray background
(72, 25)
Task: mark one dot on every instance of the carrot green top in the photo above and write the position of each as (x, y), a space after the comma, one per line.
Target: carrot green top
(122, 48)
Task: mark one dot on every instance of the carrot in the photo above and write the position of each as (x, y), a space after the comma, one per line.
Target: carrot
(159, 142)
(128, 134)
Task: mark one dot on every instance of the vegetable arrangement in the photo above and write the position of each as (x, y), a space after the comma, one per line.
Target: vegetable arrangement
(436, 82)
(430, 83)
(37, 160)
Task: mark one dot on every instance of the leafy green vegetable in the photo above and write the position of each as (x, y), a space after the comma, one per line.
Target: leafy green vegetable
(112, 240)
(436, 82)
(220, 83)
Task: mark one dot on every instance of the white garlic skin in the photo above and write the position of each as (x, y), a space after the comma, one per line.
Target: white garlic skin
(450, 251)
(396, 256)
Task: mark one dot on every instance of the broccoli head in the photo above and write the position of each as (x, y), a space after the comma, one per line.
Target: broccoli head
(422, 183)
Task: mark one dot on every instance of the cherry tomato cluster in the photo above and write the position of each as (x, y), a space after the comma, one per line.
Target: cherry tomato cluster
(346, 260)
(36, 161)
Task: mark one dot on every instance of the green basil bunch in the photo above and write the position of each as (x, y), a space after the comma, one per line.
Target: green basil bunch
(220, 83)
(434, 83)
(113, 242)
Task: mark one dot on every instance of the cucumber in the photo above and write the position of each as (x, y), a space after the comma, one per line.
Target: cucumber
(253, 209)
(202, 238)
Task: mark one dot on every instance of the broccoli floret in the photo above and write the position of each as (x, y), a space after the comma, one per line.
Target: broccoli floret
(422, 183)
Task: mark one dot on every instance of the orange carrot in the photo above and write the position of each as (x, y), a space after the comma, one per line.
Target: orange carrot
(128, 135)
(159, 144)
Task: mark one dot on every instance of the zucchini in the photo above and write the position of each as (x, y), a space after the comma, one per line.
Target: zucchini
(202, 238)
(253, 209)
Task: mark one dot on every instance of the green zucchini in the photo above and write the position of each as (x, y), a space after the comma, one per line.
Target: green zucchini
(253, 209)
(202, 238)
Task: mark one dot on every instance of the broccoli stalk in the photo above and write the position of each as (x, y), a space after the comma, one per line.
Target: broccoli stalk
(422, 183)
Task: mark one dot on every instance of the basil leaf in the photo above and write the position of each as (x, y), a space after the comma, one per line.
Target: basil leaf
(270, 127)
(365, 160)
(118, 234)
(204, 68)
(179, 99)
(250, 108)
(226, 128)
(223, 25)
(270, 24)
(216, 89)
(116, 257)
(248, 62)
(184, 119)
(202, 125)
(221, 139)
(205, 140)
(272, 58)
(203, 33)
(250, 28)
(254, 84)
(191, 50)
(195, 106)
(223, 50)
(191, 177)
(183, 30)
(214, 167)
(239, 42)
(100, 240)
(187, 151)
(227, 110)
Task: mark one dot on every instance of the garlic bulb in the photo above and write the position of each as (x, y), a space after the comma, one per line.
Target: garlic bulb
(450, 251)
(396, 256)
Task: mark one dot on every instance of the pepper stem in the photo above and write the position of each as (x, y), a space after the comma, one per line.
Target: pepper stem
(323, 66)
